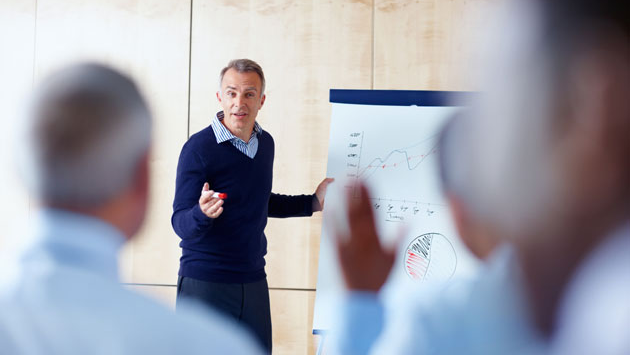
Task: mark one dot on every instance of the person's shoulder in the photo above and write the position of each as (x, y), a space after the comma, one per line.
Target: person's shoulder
(193, 329)
(126, 323)
(201, 137)
(597, 291)
(201, 141)
(265, 138)
(267, 135)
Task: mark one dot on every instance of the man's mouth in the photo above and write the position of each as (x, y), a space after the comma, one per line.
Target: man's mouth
(240, 114)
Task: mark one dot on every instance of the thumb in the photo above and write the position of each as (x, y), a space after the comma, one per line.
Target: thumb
(206, 187)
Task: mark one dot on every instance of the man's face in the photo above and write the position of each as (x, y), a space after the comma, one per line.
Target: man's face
(241, 99)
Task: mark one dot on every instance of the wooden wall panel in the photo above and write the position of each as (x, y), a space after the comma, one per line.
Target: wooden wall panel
(17, 38)
(292, 320)
(426, 44)
(305, 48)
(150, 40)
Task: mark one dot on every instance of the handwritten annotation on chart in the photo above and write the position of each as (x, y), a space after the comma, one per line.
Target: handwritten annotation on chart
(399, 165)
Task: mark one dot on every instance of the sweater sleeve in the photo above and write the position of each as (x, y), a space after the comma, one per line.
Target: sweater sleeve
(282, 206)
(188, 221)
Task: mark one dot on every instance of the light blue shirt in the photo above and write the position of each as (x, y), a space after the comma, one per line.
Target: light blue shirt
(223, 134)
(490, 318)
(65, 298)
(593, 316)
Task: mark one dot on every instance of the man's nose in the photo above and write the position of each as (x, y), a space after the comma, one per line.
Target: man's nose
(238, 100)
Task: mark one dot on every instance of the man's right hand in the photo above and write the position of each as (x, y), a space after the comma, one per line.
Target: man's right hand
(365, 263)
(210, 206)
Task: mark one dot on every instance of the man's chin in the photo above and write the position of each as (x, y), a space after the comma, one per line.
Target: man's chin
(238, 128)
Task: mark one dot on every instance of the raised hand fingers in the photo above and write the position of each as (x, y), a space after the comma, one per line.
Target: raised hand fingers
(364, 262)
(361, 218)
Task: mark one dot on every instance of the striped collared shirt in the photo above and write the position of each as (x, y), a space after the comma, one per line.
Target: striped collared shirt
(223, 134)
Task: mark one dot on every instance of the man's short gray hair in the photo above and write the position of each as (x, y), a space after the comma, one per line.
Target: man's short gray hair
(244, 66)
(454, 163)
(521, 117)
(85, 134)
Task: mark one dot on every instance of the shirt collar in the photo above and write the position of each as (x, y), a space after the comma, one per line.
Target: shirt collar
(223, 134)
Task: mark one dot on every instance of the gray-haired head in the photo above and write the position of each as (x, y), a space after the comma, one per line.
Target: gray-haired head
(530, 101)
(452, 156)
(244, 66)
(85, 133)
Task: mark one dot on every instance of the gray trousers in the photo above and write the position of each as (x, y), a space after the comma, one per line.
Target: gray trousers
(248, 304)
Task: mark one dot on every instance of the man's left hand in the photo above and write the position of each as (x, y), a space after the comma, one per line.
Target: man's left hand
(320, 193)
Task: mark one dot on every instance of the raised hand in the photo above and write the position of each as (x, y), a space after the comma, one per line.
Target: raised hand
(365, 263)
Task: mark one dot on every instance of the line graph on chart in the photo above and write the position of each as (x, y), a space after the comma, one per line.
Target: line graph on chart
(392, 159)
(406, 166)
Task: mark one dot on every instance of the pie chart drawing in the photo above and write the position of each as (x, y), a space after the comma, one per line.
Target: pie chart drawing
(430, 257)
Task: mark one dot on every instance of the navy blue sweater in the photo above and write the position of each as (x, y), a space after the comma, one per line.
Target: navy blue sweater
(230, 248)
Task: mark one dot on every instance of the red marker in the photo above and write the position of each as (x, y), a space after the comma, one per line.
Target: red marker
(221, 195)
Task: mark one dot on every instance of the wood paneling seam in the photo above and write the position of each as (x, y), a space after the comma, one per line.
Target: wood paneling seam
(173, 285)
(373, 44)
(190, 28)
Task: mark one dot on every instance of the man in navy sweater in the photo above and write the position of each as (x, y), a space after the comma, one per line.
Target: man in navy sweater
(223, 241)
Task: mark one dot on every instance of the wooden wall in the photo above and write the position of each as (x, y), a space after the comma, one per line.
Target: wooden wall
(175, 50)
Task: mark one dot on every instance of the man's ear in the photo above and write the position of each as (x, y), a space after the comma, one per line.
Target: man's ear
(134, 202)
(601, 85)
(142, 179)
(219, 96)
(465, 227)
(458, 211)
(262, 100)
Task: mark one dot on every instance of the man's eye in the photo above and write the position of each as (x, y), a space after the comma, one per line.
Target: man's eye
(250, 94)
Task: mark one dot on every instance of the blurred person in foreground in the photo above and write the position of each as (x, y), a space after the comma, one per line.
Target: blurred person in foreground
(86, 162)
(436, 313)
(547, 162)
(555, 127)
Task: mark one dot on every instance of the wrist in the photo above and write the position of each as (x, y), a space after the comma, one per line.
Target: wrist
(317, 206)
